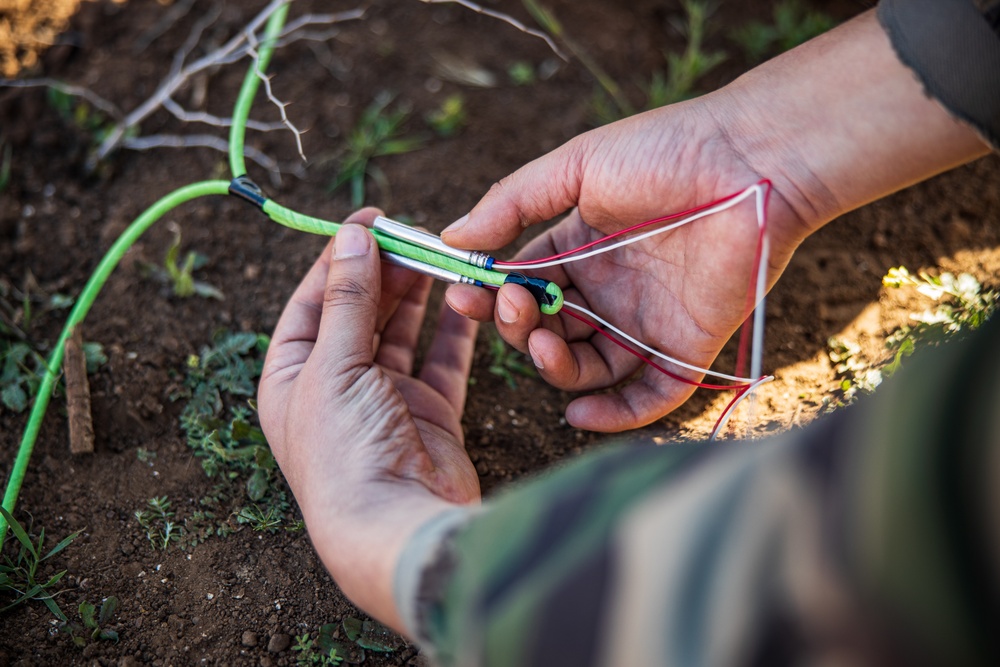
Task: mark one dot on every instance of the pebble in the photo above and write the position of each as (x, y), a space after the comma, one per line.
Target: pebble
(279, 642)
(249, 638)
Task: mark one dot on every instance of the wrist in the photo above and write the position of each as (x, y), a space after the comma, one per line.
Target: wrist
(840, 122)
(360, 541)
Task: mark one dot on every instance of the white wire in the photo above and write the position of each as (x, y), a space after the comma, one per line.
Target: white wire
(756, 188)
(757, 343)
(732, 408)
(647, 348)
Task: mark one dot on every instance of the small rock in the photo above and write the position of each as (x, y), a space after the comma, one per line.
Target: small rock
(279, 642)
(90, 650)
(127, 548)
(266, 662)
(128, 661)
(249, 638)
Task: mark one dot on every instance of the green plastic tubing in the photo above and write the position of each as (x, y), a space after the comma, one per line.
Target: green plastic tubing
(76, 316)
(248, 91)
(304, 223)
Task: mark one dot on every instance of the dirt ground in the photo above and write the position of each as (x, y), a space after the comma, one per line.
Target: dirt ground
(234, 600)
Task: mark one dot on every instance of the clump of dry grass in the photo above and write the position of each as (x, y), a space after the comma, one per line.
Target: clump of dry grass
(28, 27)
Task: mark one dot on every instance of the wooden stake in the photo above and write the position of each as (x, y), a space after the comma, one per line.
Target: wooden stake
(81, 421)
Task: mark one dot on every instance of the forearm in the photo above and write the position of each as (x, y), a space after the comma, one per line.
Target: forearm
(868, 538)
(361, 546)
(840, 122)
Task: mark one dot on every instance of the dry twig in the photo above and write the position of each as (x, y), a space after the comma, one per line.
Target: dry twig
(506, 18)
(152, 141)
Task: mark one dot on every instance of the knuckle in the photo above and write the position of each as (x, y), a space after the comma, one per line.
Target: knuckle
(351, 293)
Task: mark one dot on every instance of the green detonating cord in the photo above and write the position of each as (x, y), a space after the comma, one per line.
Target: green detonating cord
(305, 223)
(76, 316)
(272, 209)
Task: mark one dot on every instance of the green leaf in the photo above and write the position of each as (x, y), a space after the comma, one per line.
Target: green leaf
(108, 635)
(399, 146)
(62, 545)
(257, 484)
(54, 608)
(108, 609)
(352, 628)
(14, 397)
(19, 533)
(94, 354)
(376, 637)
(207, 291)
(87, 613)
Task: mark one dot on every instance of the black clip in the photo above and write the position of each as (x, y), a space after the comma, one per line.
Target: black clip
(247, 190)
(537, 287)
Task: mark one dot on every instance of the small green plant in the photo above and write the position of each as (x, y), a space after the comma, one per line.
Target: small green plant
(76, 110)
(792, 25)
(683, 71)
(5, 165)
(610, 92)
(157, 520)
(268, 519)
(21, 370)
(449, 118)
(180, 274)
(310, 653)
(144, 455)
(95, 623)
(855, 373)
(378, 133)
(508, 362)
(521, 73)
(963, 305)
(232, 449)
(19, 573)
(325, 649)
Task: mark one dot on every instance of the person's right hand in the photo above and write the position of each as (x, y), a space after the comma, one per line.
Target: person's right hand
(834, 124)
(684, 292)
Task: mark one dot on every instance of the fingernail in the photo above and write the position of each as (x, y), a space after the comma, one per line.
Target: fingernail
(506, 310)
(457, 225)
(351, 241)
(535, 358)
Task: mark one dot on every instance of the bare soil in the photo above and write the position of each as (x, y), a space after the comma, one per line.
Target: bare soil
(225, 600)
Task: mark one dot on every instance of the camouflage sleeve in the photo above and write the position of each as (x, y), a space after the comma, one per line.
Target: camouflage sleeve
(953, 47)
(870, 537)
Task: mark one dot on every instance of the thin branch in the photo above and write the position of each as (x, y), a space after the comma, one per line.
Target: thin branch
(172, 16)
(506, 18)
(170, 85)
(184, 115)
(266, 80)
(239, 46)
(192, 40)
(95, 100)
(152, 141)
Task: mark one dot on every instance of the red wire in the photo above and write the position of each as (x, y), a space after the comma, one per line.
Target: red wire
(739, 394)
(623, 232)
(628, 348)
(746, 328)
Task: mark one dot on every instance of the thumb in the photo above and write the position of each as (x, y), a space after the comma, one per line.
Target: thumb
(538, 191)
(350, 302)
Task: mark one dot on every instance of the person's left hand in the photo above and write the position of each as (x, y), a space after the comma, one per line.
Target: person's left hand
(369, 450)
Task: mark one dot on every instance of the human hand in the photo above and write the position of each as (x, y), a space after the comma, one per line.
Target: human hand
(682, 293)
(834, 124)
(369, 450)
